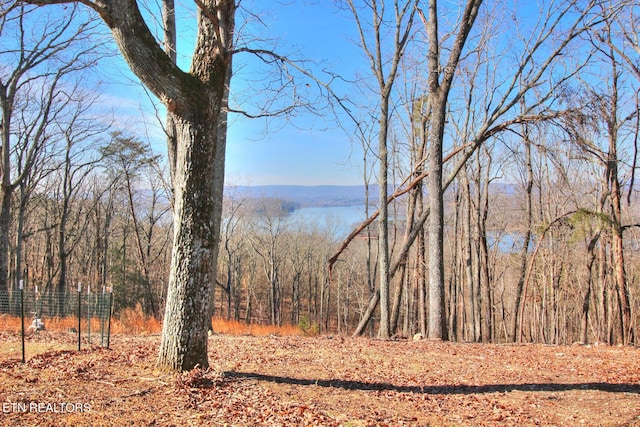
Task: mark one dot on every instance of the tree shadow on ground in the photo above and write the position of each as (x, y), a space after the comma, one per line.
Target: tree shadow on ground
(439, 389)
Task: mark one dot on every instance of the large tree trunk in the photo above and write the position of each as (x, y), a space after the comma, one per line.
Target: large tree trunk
(622, 286)
(198, 184)
(194, 102)
(437, 317)
(6, 192)
(439, 87)
(383, 227)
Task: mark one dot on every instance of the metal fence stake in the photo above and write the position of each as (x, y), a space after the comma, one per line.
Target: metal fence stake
(79, 311)
(22, 318)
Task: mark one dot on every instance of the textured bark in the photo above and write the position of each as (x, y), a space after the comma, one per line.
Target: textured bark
(197, 211)
(6, 190)
(383, 223)
(436, 311)
(440, 79)
(194, 101)
(622, 286)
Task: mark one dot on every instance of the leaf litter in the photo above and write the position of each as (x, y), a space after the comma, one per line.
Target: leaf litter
(325, 381)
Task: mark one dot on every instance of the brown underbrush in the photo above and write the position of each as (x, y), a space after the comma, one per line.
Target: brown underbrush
(133, 321)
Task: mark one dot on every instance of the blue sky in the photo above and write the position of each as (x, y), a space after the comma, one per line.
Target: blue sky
(308, 150)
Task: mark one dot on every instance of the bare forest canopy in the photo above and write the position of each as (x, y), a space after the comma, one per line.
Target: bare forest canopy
(523, 147)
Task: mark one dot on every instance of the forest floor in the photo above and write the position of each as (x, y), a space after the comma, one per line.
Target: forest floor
(326, 381)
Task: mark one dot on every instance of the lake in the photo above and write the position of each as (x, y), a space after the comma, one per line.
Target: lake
(343, 219)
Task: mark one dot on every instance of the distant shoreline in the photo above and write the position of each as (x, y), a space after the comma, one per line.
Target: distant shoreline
(324, 195)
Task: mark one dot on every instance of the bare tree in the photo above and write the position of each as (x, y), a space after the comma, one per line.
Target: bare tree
(601, 136)
(41, 60)
(541, 48)
(128, 159)
(300, 249)
(440, 78)
(233, 248)
(73, 210)
(269, 225)
(528, 184)
(403, 14)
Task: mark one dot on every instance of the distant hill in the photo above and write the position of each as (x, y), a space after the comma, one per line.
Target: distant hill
(328, 195)
(309, 196)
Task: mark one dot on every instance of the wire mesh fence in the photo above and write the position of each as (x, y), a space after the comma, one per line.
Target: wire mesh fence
(69, 317)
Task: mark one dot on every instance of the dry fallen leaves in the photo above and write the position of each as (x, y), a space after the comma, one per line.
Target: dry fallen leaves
(324, 381)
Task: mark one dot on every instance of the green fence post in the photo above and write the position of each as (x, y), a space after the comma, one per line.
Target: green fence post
(89, 314)
(22, 318)
(109, 324)
(79, 311)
